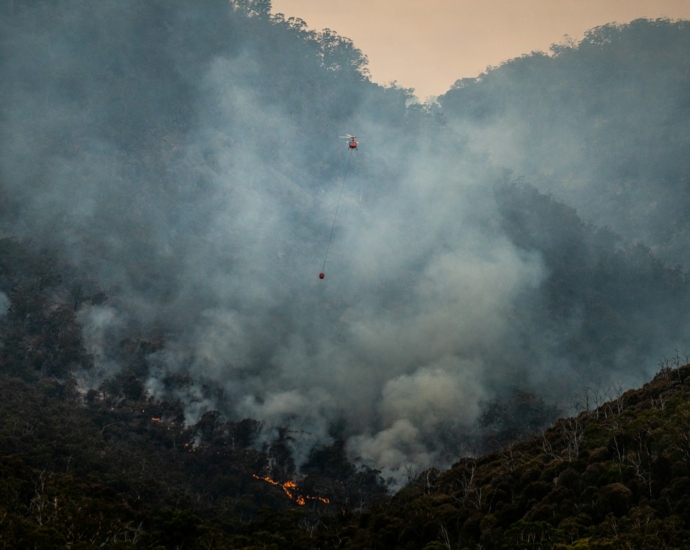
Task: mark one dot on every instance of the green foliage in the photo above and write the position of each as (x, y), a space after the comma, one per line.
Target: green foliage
(115, 468)
(540, 494)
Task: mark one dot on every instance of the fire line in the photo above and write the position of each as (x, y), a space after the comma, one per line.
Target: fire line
(289, 487)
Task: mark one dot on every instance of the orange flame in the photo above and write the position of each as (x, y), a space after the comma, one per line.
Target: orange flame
(290, 488)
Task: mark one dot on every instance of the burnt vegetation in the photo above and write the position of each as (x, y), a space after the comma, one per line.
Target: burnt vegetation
(114, 467)
(104, 445)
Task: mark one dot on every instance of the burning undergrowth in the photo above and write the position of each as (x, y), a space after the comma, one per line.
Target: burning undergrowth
(292, 491)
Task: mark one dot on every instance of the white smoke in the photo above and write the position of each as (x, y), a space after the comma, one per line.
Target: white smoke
(211, 233)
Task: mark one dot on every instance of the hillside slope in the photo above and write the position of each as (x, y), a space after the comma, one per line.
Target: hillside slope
(602, 124)
(109, 476)
(169, 177)
(616, 476)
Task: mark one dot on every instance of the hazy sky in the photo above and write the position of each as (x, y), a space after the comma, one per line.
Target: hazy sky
(429, 44)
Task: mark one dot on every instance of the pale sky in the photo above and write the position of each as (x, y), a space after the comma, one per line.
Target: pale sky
(429, 44)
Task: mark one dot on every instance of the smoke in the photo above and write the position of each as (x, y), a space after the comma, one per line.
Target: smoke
(188, 158)
(102, 329)
(4, 304)
(600, 124)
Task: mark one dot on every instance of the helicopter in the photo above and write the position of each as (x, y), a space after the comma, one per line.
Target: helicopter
(353, 141)
(352, 144)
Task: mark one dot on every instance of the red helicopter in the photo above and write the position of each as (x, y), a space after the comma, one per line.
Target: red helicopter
(353, 143)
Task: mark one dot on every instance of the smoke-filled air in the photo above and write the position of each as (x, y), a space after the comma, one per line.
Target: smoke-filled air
(500, 255)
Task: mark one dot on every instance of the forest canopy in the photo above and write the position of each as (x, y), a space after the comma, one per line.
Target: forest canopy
(169, 173)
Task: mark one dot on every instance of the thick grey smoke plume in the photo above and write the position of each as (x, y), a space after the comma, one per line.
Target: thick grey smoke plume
(187, 157)
(4, 304)
(602, 124)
